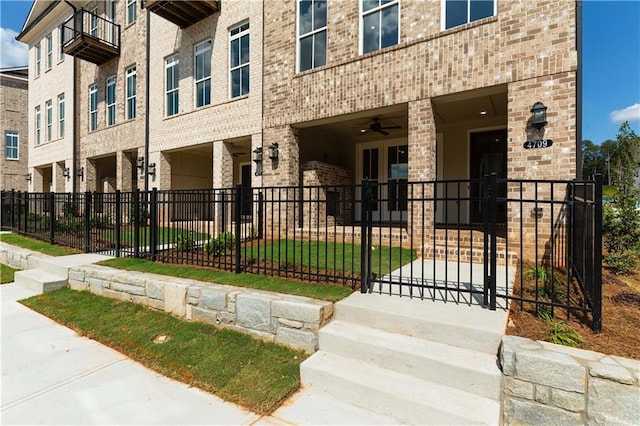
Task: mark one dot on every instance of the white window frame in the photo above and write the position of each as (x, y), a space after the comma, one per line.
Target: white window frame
(60, 36)
(311, 33)
(110, 106)
(131, 75)
(93, 110)
(203, 79)
(93, 22)
(131, 6)
(11, 134)
(111, 13)
(38, 58)
(380, 8)
(49, 60)
(61, 115)
(48, 118)
(443, 14)
(38, 124)
(172, 61)
(241, 33)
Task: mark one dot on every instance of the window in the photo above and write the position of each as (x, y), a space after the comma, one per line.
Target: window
(131, 11)
(131, 93)
(460, 12)
(38, 124)
(11, 143)
(380, 24)
(111, 100)
(49, 51)
(49, 119)
(93, 22)
(38, 58)
(61, 39)
(202, 73)
(61, 114)
(172, 81)
(312, 34)
(110, 10)
(239, 61)
(93, 107)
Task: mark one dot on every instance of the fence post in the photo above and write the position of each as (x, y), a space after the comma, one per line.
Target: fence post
(238, 218)
(364, 237)
(13, 213)
(260, 214)
(485, 241)
(597, 256)
(52, 217)
(26, 212)
(118, 222)
(87, 222)
(494, 246)
(153, 225)
(136, 223)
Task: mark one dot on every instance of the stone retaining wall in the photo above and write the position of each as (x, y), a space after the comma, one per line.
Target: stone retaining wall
(552, 384)
(16, 257)
(293, 321)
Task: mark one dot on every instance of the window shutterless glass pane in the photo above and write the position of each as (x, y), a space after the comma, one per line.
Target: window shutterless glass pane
(245, 80)
(456, 11)
(319, 14)
(235, 53)
(207, 64)
(320, 49)
(244, 49)
(371, 32)
(305, 16)
(389, 26)
(369, 4)
(235, 83)
(306, 51)
(480, 9)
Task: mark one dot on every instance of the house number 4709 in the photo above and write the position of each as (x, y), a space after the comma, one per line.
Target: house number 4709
(538, 143)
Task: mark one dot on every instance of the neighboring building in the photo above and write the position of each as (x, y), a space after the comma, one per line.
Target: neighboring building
(14, 86)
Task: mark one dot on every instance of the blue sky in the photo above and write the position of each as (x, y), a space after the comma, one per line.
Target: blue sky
(611, 61)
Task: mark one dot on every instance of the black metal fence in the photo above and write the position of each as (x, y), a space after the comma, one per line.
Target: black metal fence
(486, 241)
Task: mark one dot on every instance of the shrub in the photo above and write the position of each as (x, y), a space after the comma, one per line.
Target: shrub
(563, 334)
(621, 263)
(70, 208)
(185, 242)
(70, 224)
(101, 221)
(222, 243)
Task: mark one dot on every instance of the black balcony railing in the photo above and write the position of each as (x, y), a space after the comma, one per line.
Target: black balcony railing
(91, 37)
(183, 13)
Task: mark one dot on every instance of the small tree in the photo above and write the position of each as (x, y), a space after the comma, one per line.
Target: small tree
(621, 224)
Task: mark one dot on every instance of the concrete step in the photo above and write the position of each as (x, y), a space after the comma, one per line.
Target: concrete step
(459, 368)
(461, 325)
(39, 281)
(389, 393)
(50, 265)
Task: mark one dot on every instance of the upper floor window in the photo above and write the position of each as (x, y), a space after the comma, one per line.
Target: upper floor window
(61, 115)
(131, 93)
(49, 51)
(49, 119)
(239, 60)
(379, 24)
(460, 12)
(312, 34)
(61, 48)
(172, 83)
(111, 100)
(38, 120)
(93, 22)
(110, 11)
(11, 144)
(131, 11)
(38, 58)
(202, 73)
(93, 107)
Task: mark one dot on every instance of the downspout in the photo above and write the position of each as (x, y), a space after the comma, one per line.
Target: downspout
(74, 158)
(579, 90)
(146, 102)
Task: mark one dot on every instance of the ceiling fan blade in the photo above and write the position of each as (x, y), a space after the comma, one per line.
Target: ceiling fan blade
(391, 127)
(383, 132)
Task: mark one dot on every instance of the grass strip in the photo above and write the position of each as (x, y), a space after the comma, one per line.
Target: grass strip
(328, 292)
(6, 273)
(35, 245)
(238, 368)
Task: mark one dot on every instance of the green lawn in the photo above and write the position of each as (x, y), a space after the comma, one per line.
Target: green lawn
(256, 374)
(165, 235)
(35, 245)
(331, 256)
(317, 291)
(6, 274)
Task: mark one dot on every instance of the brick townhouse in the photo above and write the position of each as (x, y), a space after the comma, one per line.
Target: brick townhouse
(14, 86)
(179, 94)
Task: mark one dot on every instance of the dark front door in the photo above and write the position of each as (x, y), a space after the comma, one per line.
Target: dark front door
(247, 192)
(488, 155)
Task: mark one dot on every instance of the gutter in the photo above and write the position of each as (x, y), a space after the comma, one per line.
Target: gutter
(74, 160)
(579, 90)
(146, 103)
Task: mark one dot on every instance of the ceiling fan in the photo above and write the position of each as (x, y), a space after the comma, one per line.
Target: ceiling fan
(376, 126)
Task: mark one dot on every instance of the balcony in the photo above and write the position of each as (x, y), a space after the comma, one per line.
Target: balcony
(91, 37)
(183, 13)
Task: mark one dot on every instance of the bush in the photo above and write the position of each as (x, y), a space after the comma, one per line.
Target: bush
(70, 208)
(100, 221)
(70, 224)
(185, 242)
(222, 243)
(621, 263)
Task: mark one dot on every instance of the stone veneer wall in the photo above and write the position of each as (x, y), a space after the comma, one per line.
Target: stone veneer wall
(552, 384)
(288, 320)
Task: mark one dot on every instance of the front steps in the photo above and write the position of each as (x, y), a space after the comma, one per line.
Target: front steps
(39, 281)
(416, 361)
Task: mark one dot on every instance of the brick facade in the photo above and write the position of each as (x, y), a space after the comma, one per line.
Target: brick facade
(13, 118)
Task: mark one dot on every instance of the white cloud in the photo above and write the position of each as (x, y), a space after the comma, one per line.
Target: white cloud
(631, 113)
(12, 52)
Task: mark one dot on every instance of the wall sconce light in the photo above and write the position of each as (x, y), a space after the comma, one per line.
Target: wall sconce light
(65, 173)
(538, 115)
(274, 152)
(27, 176)
(140, 162)
(80, 172)
(151, 169)
(257, 158)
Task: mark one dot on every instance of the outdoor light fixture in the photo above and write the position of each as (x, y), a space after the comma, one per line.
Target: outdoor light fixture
(65, 173)
(152, 169)
(274, 151)
(257, 158)
(140, 162)
(80, 172)
(28, 177)
(538, 115)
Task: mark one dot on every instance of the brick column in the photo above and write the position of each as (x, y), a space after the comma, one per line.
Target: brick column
(124, 163)
(286, 170)
(222, 165)
(57, 177)
(89, 183)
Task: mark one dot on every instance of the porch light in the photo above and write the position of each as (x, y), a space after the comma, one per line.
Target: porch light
(152, 169)
(80, 172)
(28, 177)
(257, 158)
(538, 115)
(140, 162)
(65, 173)
(274, 151)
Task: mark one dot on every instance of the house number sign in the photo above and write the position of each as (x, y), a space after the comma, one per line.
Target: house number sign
(537, 143)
